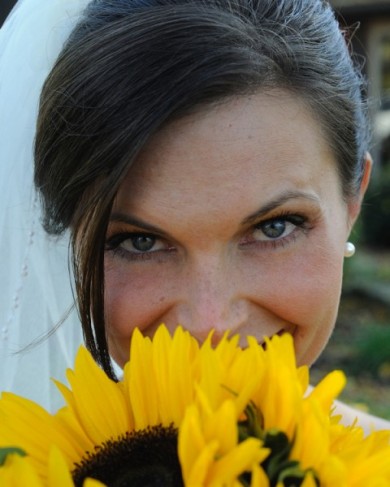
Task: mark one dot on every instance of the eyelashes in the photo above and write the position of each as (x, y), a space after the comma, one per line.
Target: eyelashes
(136, 245)
(277, 231)
(276, 227)
(142, 242)
(271, 233)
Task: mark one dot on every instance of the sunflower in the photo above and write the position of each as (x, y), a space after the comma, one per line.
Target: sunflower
(16, 470)
(293, 431)
(105, 422)
(191, 415)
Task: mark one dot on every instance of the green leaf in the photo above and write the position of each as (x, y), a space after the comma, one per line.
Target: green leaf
(293, 476)
(252, 426)
(8, 450)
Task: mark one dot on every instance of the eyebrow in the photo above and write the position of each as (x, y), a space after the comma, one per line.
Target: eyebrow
(119, 217)
(279, 201)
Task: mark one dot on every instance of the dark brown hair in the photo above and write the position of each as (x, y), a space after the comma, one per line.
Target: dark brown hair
(130, 66)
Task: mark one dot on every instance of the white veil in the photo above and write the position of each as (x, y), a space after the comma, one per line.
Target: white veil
(35, 290)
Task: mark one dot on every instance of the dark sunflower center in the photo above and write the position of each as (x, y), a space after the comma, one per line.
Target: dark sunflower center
(146, 458)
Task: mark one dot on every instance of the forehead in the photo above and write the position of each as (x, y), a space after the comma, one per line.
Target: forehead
(257, 145)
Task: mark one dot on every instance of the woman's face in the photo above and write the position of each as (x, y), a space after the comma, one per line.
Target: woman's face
(233, 219)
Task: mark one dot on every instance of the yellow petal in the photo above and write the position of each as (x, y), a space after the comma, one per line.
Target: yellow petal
(93, 483)
(18, 472)
(201, 467)
(143, 399)
(27, 425)
(328, 389)
(191, 442)
(309, 481)
(98, 402)
(222, 426)
(237, 461)
(59, 474)
(259, 477)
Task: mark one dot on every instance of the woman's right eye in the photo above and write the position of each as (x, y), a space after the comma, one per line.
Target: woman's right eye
(135, 244)
(140, 243)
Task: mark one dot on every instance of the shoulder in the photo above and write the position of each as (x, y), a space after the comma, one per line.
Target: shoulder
(366, 421)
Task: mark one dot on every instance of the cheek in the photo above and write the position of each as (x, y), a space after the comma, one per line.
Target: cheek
(302, 282)
(302, 289)
(132, 299)
(313, 289)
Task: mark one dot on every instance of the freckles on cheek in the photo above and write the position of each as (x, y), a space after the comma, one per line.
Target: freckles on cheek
(130, 301)
(309, 292)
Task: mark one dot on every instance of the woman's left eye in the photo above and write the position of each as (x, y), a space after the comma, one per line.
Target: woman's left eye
(277, 228)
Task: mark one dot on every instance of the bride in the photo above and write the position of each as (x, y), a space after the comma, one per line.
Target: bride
(208, 164)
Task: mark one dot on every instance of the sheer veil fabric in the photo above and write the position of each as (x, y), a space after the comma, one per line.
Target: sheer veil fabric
(35, 284)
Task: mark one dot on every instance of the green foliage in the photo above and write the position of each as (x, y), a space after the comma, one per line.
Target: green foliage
(372, 352)
(367, 269)
(375, 216)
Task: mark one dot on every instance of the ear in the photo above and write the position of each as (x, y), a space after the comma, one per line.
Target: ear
(355, 203)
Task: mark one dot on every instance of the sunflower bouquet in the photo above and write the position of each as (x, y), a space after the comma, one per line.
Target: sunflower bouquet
(191, 415)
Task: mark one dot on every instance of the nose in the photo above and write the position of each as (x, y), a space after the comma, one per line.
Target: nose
(212, 301)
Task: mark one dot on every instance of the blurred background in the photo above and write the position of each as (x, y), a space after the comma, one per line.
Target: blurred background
(361, 343)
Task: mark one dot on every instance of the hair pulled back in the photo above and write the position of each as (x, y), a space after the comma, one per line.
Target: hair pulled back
(131, 66)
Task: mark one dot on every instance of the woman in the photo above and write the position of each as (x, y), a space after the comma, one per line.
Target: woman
(209, 159)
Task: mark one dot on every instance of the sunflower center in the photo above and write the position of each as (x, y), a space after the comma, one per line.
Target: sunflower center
(146, 458)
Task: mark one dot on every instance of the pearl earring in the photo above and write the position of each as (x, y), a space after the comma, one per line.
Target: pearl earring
(349, 249)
